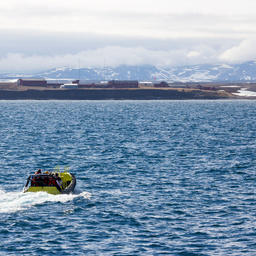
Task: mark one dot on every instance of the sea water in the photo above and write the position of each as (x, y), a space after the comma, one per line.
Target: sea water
(153, 177)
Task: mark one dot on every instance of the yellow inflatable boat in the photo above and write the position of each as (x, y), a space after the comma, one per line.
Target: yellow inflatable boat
(51, 182)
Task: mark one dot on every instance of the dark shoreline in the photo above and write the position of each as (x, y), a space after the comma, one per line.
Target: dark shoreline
(109, 94)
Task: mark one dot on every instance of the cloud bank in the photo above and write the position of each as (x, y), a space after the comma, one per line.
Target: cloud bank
(38, 35)
(121, 55)
(242, 52)
(107, 56)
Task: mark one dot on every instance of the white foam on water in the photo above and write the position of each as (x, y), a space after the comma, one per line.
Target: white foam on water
(17, 201)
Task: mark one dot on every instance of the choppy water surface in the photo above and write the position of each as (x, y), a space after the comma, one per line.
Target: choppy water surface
(154, 178)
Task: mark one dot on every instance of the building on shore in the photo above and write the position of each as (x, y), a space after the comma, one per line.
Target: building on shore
(107, 84)
(123, 84)
(69, 86)
(162, 84)
(32, 82)
(145, 84)
(90, 83)
(56, 83)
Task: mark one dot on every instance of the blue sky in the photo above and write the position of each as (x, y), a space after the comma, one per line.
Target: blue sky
(38, 35)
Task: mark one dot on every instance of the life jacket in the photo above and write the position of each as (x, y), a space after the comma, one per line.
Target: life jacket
(33, 182)
(46, 181)
(52, 182)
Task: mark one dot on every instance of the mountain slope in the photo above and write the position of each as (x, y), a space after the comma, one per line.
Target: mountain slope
(245, 72)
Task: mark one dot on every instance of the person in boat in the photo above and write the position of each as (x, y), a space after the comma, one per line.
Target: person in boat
(39, 171)
(37, 179)
(58, 180)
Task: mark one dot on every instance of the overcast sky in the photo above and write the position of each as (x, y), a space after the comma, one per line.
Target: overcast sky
(42, 34)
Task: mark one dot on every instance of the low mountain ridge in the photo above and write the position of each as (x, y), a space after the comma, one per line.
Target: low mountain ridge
(244, 72)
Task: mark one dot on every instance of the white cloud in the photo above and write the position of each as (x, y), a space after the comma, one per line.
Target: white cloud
(199, 31)
(193, 54)
(145, 6)
(244, 51)
(109, 56)
(162, 19)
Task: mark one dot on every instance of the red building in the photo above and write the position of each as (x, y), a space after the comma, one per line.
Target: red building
(162, 84)
(123, 84)
(32, 82)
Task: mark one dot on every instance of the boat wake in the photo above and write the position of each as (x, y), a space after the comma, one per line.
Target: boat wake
(17, 201)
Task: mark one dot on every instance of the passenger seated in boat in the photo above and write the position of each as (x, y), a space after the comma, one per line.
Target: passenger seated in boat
(52, 182)
(37, 181)
(39, 171)
(58, 180)
(33, 181)
(45, 180)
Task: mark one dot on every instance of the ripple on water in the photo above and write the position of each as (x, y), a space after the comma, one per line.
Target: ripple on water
(153, 177)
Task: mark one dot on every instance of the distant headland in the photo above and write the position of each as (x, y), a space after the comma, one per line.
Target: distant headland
(41, 89)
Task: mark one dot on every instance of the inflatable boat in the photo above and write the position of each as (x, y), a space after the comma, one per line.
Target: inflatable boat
(51, 182)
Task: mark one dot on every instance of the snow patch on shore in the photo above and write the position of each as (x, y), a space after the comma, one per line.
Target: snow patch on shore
(245, 93)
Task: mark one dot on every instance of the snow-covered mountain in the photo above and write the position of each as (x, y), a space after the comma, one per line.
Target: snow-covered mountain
(107, 73)
(245, 72)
